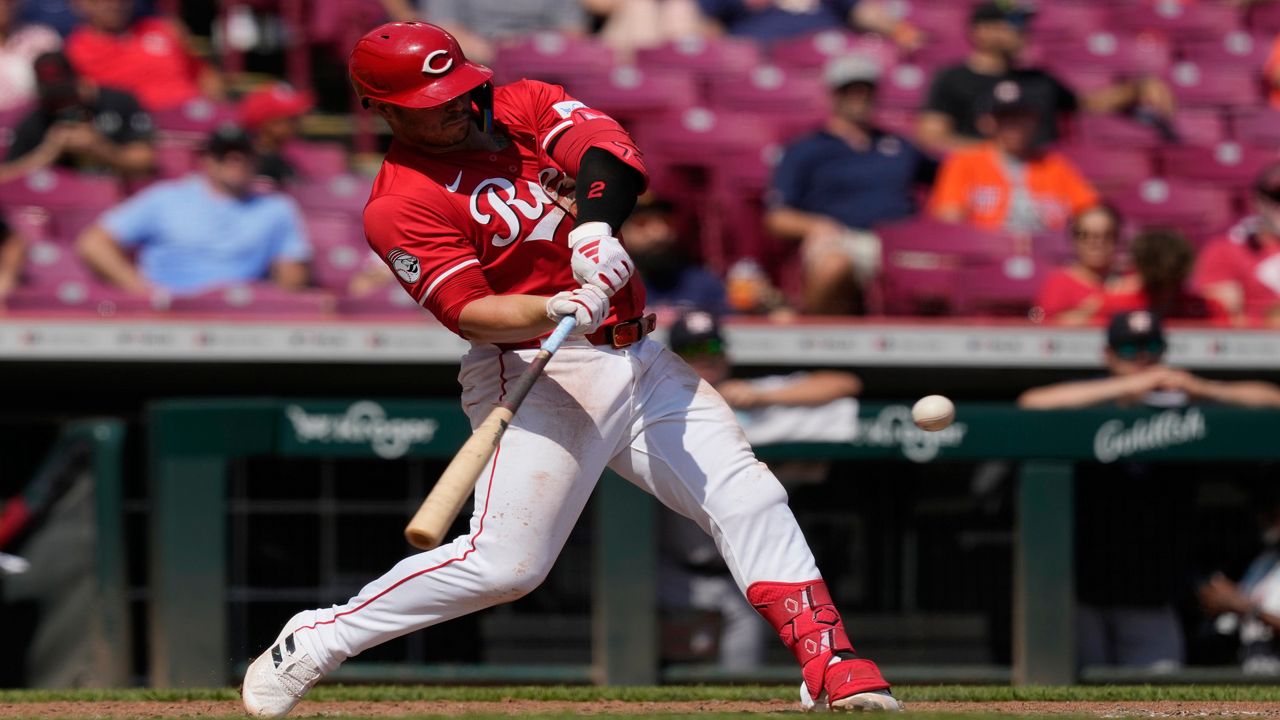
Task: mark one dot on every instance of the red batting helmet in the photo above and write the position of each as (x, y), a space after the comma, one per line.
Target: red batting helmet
(413, 65)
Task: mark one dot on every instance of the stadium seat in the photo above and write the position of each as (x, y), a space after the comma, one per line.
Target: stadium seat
(964, 243)
(936, 20)
(630, 93)
(1109, 168)
(701, 136)
(1239, 49)
(1264, 18)
(772, 89)
(1114, 52)
(50, 264)
(1258, 127)
(1199, 85)
(339, 246)
(1224, 164)
(316, 160)
(552, 57)
(1120, 132)
(345, 193)
(254, 299)
(706, 59)
(391, 300)
(196, 117)
(1177, 19)
(904, 86)
(79, 296)
(919, 284)
(1157, 202)
(815, 50)
(1063, 20)
(72, 200)
(1005, 287)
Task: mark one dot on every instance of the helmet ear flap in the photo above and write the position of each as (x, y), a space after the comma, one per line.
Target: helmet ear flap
(483, 99)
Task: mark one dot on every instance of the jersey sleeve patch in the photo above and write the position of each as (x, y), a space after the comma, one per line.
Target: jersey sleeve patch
(565, 108)
(405, 265)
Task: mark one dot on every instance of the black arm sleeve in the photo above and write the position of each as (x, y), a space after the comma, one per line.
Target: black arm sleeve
(607, 188)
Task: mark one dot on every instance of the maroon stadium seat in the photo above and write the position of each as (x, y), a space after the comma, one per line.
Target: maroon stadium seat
(338, 194)
(904, 86)
(1109, 168)
(1226, 163)
(73, 201)
(255, 299)
(1108, 50)
(628, 92)
(706, 59)
(1005, 287)
(966, 244)
(196, 117)
(316, 160)
(772, 89)
(1194, 84)
(51, 263)
(1196, 210)
(701, 136)
(552, 57)
(1069, 20)
(1239, 49)
(391, 300)
(814, 51)
(1264, 17)
(1259, 127)
(1179, 20)
(80, 296)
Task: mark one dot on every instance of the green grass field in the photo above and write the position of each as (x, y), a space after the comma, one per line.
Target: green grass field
(938, 702)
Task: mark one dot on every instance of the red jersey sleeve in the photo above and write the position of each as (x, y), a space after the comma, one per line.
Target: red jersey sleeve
(1214, 266)
(567, 128)
(428, 255)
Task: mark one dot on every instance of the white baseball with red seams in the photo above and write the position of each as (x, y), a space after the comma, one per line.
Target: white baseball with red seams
(463, 225)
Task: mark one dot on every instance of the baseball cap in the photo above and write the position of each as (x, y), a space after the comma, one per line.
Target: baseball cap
(1138, 330)
(1267, 184)
(852, 68)
(228, 139)
(55, 78)
(1001, 11)
(273, 102)
(696, 332)
(1007, 98)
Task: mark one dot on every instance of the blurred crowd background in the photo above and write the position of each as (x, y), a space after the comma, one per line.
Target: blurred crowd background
(1058, 162)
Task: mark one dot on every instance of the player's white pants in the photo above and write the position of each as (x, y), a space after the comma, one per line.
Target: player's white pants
(640, 411)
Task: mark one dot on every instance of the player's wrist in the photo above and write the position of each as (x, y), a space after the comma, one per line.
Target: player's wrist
(595, 228)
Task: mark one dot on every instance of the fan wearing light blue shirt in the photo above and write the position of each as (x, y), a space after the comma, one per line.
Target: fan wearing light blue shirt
(203, 231)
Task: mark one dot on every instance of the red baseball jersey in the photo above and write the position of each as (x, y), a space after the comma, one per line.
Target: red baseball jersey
(459, 226)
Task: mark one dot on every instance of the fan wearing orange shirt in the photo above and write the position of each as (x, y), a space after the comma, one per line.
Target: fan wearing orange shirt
(1010, 182)
(148, 57)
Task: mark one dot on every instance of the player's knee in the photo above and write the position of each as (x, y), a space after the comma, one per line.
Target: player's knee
(516, 577)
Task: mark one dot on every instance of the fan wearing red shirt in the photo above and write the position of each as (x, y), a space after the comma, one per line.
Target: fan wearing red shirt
(1075, 294)
(497, 209)
(1162, 261)
(1242, 269)
(148, 57)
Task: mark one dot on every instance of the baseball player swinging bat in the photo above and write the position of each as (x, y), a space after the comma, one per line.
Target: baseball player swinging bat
(457, 483)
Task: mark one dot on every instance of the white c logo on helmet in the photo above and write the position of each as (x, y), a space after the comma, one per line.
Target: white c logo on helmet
(428, 68)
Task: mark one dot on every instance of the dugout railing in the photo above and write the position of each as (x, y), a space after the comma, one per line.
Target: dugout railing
(192, 444)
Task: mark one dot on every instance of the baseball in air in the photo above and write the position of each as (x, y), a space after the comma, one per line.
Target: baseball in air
(933, 412)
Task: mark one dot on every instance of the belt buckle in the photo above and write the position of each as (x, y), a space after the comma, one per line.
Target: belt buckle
(623, 334)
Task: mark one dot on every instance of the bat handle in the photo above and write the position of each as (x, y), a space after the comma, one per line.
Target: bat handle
(553, 341)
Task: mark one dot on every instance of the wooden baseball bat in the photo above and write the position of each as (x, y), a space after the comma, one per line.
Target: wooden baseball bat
(427, 528)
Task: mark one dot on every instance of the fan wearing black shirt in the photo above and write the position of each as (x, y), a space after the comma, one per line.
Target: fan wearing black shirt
(79, 125)
(949, 119)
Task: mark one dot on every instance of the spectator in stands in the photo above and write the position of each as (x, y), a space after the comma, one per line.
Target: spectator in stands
(1250, 609)
(1075, 294)
(815, 406)
(630, 25)
(1162, 261)
(671, 279)
(149, 57)
(79, 125)
(1137, 376)
(271, 114)
(206, 230)
(481, 26)
(833, 186)
(1011, 182)
(20, 45)
(12, 255)
(1241, 271)
(958, 94)
(770, 20)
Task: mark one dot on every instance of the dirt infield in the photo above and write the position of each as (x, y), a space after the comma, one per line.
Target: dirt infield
(156, 709)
